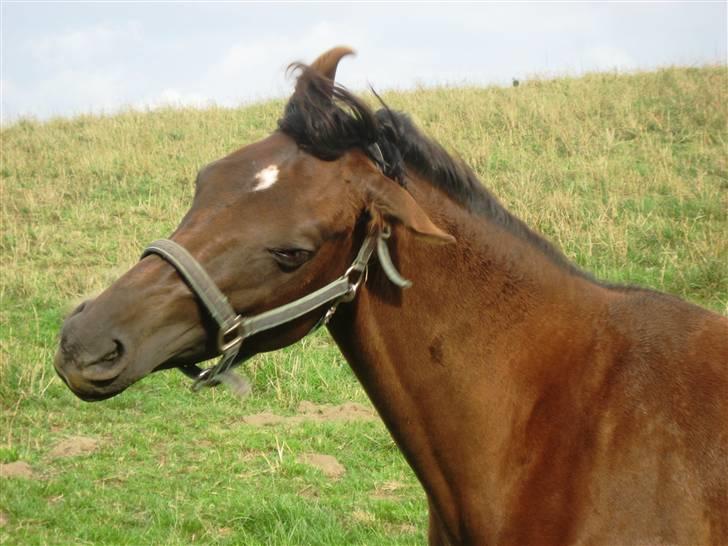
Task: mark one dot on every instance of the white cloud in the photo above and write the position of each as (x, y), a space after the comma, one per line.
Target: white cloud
(71, 71)
(72, 92)
(255, 69)
(85, 45)
(175, 98)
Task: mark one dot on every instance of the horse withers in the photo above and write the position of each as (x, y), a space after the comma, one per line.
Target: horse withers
(535, 404)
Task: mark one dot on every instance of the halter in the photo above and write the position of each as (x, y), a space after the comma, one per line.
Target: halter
(233, 328)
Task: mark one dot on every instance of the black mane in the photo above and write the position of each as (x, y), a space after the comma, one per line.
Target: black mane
(326, 120)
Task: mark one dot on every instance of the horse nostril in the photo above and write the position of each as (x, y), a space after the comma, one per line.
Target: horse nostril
(106, 368)
(114, 355)
(80, 308)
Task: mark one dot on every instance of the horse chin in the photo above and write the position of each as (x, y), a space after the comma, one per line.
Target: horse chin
(185, 358)
(97, 396)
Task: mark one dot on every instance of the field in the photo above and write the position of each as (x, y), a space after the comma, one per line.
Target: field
(628, 174)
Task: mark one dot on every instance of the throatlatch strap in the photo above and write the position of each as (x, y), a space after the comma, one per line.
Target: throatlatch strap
(385, 260)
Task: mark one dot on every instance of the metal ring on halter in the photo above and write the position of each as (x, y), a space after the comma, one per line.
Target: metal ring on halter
(222, 334)
(354, 286)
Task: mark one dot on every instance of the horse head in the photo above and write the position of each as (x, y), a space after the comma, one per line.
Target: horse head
(269, 223)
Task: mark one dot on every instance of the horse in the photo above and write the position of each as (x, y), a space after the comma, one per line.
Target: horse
(535, 404)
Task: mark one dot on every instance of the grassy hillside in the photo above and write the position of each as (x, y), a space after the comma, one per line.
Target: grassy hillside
(627, 174)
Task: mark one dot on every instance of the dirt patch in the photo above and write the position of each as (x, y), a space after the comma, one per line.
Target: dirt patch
(266, 419)
(3, 519)
(388, 491)
(348, 411)
(317, 413)
(327, 464)
(74, 446)
(18, 469)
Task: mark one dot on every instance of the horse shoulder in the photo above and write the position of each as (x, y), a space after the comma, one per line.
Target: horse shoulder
(663, 428)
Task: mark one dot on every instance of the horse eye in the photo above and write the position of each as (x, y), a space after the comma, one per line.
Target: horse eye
(290, 258)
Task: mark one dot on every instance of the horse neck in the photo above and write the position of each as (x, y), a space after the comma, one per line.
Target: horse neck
(433, 358)
(489, 285)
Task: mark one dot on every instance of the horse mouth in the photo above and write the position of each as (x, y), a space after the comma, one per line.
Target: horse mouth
(101, 385)
(92, 391)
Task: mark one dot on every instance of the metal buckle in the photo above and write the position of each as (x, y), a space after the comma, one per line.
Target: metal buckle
(363, 274)
(236, 328)
(203, 380)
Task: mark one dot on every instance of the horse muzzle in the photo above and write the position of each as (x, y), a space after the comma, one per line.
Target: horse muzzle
(88, 360)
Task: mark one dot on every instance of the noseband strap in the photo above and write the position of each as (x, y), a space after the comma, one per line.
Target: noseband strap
(233, 328)
(199, 282)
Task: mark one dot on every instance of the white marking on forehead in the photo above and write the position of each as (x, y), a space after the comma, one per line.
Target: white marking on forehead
(266, 178)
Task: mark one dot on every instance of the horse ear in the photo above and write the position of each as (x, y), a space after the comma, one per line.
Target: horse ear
(325, 65)
(388, 201)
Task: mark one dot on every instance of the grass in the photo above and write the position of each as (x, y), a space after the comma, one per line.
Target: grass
(627, 173)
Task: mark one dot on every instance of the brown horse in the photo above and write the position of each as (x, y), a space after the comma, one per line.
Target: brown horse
(535, 404)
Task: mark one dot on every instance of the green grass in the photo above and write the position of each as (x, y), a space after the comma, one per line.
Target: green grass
(627, 174)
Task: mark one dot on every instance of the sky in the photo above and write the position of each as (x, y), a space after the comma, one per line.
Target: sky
(70, 58)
